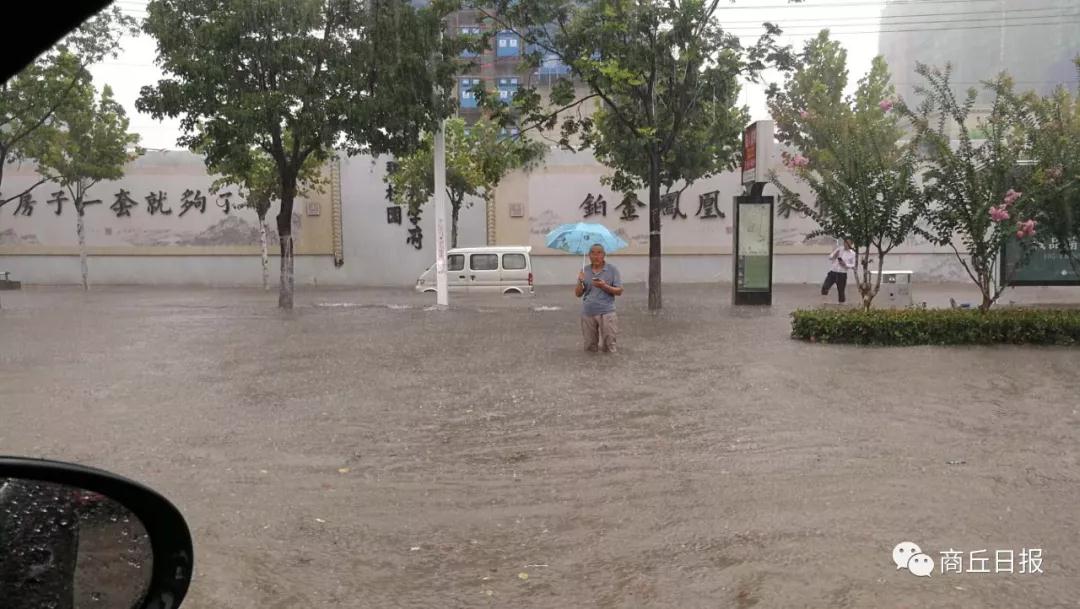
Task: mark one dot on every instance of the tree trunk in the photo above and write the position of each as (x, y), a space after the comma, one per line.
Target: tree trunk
(985, 286)
(80, 230)
(264, 242)
(876, 287)
(655, 300)
(284, 226)
(862, 277)
(455, 209)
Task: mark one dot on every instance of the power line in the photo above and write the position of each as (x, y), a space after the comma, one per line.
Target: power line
(926, 29)
(124, 64)
(883, 18)
(979, 82)
(920, 26)
(1022, 22)
(772, 7)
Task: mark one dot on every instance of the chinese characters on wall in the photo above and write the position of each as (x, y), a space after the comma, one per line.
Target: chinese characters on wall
(594, 206)
(708, 206)
(629, 206)
(416, 235)
(124, 204)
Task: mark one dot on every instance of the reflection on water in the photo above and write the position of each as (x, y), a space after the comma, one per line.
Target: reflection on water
(67, 548)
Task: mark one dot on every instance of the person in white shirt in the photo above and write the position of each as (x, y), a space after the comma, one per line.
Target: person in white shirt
(843, 259)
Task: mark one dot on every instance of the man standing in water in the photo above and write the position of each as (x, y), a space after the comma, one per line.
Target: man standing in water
(597, 286)
(843, 260)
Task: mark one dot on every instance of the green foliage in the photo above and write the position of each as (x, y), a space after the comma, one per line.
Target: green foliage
(816, 86)
(664, 76)
(938, 326)
(1054, 138)
(862, 176)
(257, 178)
(88, 144)
(478, 157)
(297, 79)
(30, 100)
(966, 177)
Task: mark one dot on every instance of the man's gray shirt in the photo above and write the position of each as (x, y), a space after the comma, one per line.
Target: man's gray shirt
(596, 301)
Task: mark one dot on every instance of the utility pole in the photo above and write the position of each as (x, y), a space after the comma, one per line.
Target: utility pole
(442, 296)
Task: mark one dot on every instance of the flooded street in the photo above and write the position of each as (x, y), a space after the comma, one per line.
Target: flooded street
(362, 451)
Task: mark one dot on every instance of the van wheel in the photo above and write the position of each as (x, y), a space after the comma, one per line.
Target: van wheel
(512, 293)
(429, 291)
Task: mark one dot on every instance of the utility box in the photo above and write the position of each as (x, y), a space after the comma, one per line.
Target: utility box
(895, 290)
(6, 283)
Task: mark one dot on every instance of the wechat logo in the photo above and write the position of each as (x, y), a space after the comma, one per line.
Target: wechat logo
(908, 555)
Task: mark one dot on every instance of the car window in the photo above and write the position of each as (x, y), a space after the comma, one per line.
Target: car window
(484, 262)
(455, 262)
(513, 262)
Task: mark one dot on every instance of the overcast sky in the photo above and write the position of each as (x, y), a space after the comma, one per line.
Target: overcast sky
(854, 22)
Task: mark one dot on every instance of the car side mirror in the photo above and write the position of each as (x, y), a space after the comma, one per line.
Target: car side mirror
(73, 536)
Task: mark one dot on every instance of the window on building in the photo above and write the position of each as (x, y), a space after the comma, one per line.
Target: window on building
(468, 99)
(507, 45)
(550, 64)
(472, 30)
(507, 88)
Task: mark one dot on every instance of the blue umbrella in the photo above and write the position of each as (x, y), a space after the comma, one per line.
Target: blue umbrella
(579, 237)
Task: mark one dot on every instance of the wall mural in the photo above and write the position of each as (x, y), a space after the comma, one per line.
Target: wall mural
(164, 200)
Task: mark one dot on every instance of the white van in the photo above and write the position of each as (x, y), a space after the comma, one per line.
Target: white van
(503, 269)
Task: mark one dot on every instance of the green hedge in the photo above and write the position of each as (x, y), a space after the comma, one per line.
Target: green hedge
(1014, 326)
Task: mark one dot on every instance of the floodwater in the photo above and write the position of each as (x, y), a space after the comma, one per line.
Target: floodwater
(362, 451)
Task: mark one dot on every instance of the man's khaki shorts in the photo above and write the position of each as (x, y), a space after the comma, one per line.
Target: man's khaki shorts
(600, 331)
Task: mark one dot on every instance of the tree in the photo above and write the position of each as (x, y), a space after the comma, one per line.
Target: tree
(1054, 139)
(295, 78)
(665, 77)
(478, 157)
(30, 99)
(90, 143)
(973, 180)
(256, 177)
(851, 155)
